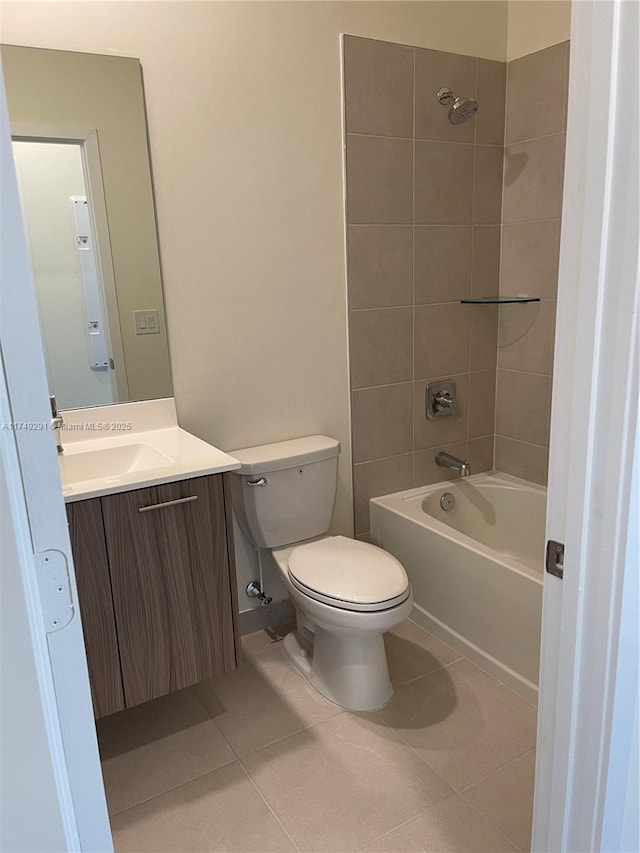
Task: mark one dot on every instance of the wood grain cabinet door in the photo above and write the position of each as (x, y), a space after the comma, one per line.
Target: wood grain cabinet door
(96, 605)
(169, 561)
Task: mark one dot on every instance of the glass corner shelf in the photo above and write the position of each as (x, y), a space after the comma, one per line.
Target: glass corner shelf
(498, 300)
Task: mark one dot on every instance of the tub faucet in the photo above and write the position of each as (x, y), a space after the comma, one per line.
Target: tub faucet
(448, 461)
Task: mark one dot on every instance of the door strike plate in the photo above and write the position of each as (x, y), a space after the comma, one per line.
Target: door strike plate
(555, 558)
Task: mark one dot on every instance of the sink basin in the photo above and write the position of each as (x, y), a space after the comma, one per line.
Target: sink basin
(110, 462)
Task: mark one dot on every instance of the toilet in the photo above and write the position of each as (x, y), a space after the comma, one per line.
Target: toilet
(346, 593)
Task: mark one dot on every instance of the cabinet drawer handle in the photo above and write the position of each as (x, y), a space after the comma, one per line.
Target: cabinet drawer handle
(168, 503)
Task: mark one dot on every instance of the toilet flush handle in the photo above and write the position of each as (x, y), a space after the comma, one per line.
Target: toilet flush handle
(261, 482)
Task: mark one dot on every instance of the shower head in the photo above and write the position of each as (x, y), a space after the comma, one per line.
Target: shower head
(461, 109)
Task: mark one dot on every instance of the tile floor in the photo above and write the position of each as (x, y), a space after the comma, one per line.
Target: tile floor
(257, 761)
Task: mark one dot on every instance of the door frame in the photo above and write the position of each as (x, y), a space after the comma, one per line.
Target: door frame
(87, 139)
(587, 666)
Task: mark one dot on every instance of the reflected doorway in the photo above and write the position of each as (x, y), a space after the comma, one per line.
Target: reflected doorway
(64, 257)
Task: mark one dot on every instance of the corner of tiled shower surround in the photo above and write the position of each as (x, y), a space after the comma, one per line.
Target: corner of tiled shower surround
(431, 220)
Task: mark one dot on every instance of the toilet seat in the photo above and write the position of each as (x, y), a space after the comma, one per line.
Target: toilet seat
(348, 574)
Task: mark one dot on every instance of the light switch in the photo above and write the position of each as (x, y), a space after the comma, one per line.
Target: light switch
(147, 322)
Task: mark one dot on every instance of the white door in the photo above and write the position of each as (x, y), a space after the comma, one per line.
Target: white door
(38, 547)
(586, 762)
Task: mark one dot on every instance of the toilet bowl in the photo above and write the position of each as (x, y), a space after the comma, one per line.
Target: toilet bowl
(346, 593)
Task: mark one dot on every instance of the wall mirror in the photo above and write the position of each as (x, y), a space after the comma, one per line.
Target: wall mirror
(80, 147)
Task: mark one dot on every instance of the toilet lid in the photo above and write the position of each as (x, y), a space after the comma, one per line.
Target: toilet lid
(349, 574)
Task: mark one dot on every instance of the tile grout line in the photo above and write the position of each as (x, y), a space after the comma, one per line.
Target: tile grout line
(512, 222)
(452, 224)
(502, 224)
(439, 378)
(268, 805)
(488, 820)
(413, 273)
(240, 761)
(501, 685)
(487, 817)
(452, 478)
(519, 440)
(450, 784)
(528, 372)
(405, 823)
(469, 318)
(500, 256)
(435, 141)
(417, 754)
(299, 675)
(175, 787)
(508, 144)
(508, 763)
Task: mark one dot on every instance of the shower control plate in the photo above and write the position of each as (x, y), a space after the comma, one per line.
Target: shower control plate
(440, 400)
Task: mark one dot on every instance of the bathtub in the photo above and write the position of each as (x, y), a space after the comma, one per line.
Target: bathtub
(476, 568)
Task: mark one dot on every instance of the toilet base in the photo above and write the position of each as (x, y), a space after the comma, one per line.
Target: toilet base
(349, 670)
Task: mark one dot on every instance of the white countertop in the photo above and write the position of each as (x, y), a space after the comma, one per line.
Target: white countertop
(101, 457)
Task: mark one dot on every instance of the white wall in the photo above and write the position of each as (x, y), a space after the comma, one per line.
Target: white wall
(48, 174)
(536, 24)
(244, 113)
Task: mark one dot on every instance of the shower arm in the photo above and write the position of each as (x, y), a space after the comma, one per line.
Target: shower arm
(445, 96)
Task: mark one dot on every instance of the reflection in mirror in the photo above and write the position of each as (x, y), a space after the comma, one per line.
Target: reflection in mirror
(80, 147)
(66, 270)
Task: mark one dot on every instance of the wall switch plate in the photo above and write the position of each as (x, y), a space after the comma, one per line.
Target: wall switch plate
(147, 322)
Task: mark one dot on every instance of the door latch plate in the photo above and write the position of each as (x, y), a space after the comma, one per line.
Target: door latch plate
(555, 558)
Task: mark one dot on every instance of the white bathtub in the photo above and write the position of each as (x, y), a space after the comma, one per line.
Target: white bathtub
(476, 570)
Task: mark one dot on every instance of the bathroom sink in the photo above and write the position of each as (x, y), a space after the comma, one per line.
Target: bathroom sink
(110, 462)
(102, 458)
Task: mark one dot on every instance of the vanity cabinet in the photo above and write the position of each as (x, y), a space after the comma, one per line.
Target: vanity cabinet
(89, 548)
(167, 554)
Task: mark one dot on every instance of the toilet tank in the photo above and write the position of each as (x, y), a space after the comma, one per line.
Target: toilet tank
(285, 492)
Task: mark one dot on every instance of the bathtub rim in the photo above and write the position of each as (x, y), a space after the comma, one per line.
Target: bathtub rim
(393, 502)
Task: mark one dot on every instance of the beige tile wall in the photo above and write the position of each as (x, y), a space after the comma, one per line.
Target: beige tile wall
(532, 202)
(424, 205)
(436, 213)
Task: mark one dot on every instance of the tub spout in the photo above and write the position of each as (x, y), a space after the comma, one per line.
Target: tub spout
(448, 461)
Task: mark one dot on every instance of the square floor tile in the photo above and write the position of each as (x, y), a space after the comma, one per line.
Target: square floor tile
(344, 782)
(262, 702)
(462, 722)
(259, 641)
(412, 652)
(220, 811)
(155, 747)
(450, 826)
(506, 798)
